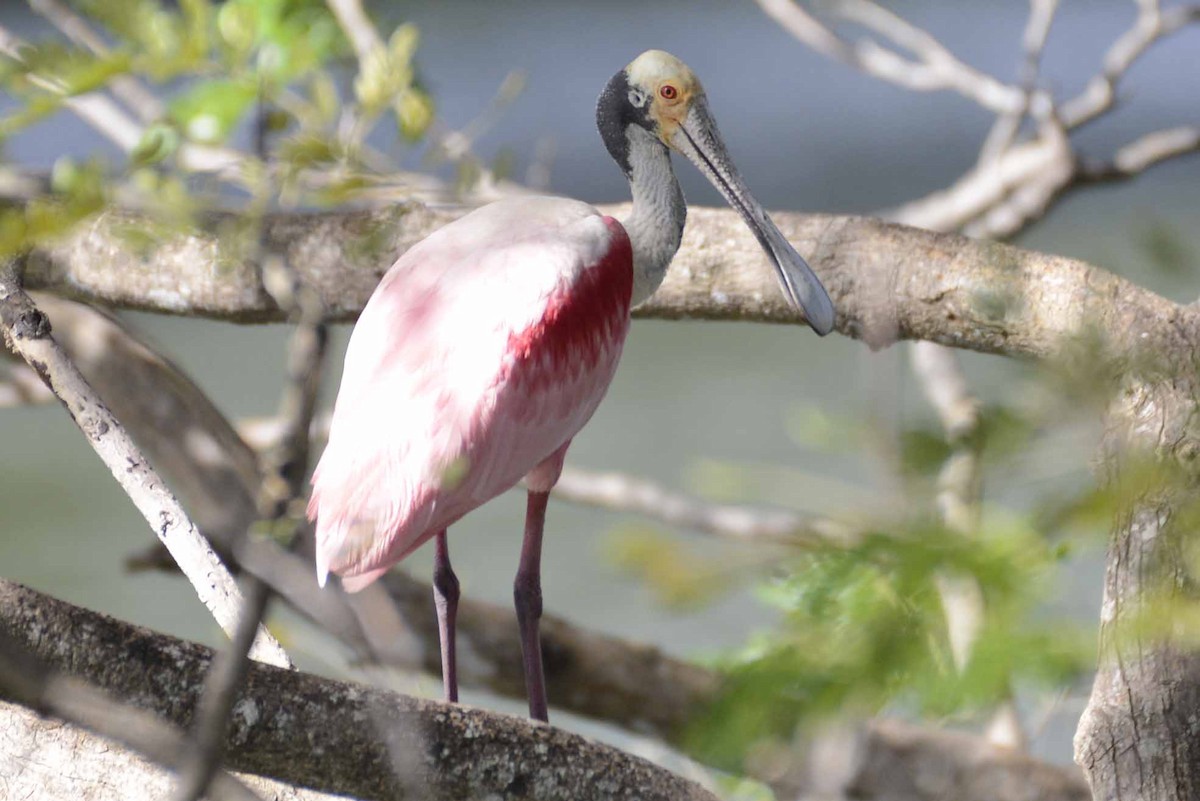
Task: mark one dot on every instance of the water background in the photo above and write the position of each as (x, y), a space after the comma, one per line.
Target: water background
(691, 400)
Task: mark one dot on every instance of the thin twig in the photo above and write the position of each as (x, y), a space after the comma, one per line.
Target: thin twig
(98, 111)
(621, 492)
(133, 92)
(1151, 25)
(932, 67)
(357, 26)
(1033, 42)
(625, 493)
(1141, 154)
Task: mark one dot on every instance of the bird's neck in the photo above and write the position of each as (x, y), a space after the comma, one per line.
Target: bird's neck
(655, 226)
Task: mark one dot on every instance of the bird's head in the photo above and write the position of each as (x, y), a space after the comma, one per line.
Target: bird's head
(666, 89)
(654, 94)
(657, 103)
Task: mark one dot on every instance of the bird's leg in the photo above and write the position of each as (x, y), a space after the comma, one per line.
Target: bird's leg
(527, 594)
(445, 598)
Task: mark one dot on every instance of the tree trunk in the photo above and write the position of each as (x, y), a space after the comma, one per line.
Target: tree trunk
(1140, 734)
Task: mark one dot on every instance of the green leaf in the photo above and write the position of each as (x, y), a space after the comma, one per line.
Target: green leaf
(208, 111)
(237, 23)
(414, 113)
(309, 150)
(159, 142)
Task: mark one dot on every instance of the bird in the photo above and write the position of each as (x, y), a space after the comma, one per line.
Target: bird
(489, 344)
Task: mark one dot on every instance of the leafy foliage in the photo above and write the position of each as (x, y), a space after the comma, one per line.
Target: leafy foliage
(216, 74)
(863, 628)
(858, 625)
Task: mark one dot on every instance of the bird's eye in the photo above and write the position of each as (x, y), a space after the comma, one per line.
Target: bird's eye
(668, 92)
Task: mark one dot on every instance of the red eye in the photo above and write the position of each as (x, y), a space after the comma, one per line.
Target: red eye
(668, 92)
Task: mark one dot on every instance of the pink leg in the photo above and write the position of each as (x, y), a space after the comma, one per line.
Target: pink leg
(445, 598)
(527, 593)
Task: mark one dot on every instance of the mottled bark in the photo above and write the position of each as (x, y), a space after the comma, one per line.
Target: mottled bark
(328, 735)
(302, 730)
(1140, 734)
(887, 281)
(45, 759)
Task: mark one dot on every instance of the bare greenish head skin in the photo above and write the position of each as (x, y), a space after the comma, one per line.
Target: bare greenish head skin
(659, 94)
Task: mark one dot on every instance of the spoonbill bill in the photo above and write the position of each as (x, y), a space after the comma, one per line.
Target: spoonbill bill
(488, 345)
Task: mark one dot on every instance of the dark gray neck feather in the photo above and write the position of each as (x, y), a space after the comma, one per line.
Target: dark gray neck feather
(655, 226)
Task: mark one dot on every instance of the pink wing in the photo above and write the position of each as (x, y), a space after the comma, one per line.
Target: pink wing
(483, 350)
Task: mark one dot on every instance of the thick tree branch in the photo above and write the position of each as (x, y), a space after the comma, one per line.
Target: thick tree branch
(888, 282)
(46, 759)
(355, 731)
(1137, 736)
(48, 692)
(332, 736)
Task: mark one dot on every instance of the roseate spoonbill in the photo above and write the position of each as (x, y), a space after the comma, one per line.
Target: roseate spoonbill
(487, 347)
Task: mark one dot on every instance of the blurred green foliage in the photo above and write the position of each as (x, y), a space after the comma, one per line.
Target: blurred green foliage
(1165, 247)
(862, 628)
(857, 625)
(210, 68)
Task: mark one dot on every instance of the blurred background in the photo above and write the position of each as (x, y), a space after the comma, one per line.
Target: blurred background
(724, 411)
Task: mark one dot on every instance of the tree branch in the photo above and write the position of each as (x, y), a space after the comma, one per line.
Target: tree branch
(27, 332)
(888, 282)
(1151, 25)
(933, 68)
(338, 737)
(110, 120)
(28, 682)
(1142, 153)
